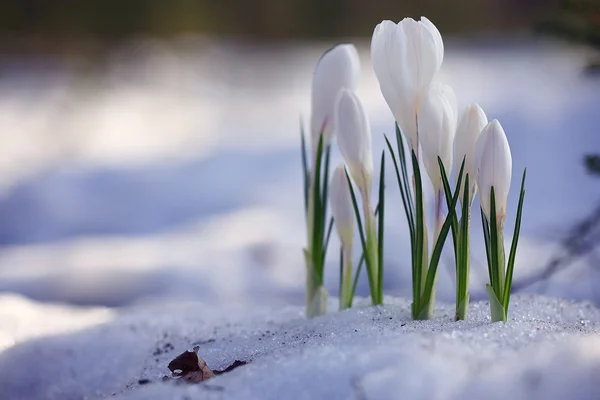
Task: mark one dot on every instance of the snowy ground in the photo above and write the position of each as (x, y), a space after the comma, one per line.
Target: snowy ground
(550, 349)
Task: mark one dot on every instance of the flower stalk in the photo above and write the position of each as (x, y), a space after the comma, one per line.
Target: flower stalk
(318, 233)
(343, 216)
(338, 69)
(354, 140)
(372, 238)
(494, 169)
(470, 125)
(424, 268)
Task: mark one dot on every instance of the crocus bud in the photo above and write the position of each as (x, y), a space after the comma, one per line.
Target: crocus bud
(406, 57)
(337, 69)
(494, 168)
(437, 124)
(341, 206)
(354, 139)
(470, 125)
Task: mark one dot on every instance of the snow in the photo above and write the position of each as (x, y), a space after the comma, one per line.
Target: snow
(549, 349)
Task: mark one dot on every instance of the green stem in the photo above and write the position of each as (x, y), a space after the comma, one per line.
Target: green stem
(316, 295)
(463, 269)
(501, 262)
(372, 249)
(313, 308)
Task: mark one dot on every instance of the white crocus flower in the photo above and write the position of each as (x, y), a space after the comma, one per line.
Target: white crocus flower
(406, 57)
(337, 69)
(470, 125)
(354, 139)
(437, 123)
(494, 169)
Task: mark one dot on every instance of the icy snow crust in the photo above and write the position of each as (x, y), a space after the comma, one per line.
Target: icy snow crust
(550, 349)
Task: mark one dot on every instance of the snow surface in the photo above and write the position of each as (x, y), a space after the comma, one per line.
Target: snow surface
(549, 349)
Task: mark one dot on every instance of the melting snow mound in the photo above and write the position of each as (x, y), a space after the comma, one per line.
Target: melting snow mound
(549, 349)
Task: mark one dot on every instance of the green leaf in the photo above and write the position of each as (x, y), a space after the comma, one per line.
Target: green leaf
(380, 227)
(439, 244)
(305, 174)
(326, 245)
(360, 227)
(488, 251)
(494, 243)
(404, 168)
(356, 276)
(424, 313)
(358, 269)
(417, 256)
(496, 308)
(513, 247)
(448, 196)
(462, 308)
(325, 180)
(318, 217)
(462, 267)
(403, 191)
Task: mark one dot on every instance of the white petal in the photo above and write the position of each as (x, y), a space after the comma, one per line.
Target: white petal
(494, 167)
(354, 138)
(406, 57)
(341, 206)
(470, 125)
(437, 126)
(387, 47)
(432, 52)
(337, 69)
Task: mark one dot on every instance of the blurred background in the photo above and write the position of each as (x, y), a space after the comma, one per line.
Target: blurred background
(150, 149)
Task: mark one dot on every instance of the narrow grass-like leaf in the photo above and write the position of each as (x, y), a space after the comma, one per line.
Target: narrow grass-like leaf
(380, 227)
(360, 227)
(403, 190)
(513, 248)
(419, 237)
(356, 276)
(494, 243)
(462, 283)
(358, 269)
(448, 196)
(317, 237)
(439, 244)
(488, 251)
(305, 171)
(496, 308)
(341, 271)
(403, 165)
(326, 244)
(325, 180)
(462, 308)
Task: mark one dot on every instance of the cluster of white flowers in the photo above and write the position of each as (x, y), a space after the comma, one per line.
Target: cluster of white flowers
(406, 59)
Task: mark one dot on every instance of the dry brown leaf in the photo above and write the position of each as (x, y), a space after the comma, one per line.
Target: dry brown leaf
(190, 367)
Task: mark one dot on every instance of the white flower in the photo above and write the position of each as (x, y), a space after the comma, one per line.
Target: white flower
(494, 168)
(354, 139)
(406, 57)
(341, 206)
(338, 68)
(470, 125)
(437, 124)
